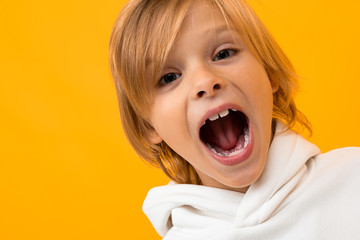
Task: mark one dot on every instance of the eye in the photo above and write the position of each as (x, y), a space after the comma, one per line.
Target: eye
(168, 78)
(223, 54)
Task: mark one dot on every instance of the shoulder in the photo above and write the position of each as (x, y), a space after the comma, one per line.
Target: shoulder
(343, 162)
(347, 154)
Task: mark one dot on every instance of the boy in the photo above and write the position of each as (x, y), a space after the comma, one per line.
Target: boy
(201, 84)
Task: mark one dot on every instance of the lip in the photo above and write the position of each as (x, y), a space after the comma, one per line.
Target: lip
(238, 158)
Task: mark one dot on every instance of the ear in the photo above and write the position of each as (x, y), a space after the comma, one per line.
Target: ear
(274, 86)
(153, 136)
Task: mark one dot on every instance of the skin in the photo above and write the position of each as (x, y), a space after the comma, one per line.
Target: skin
(209, 68)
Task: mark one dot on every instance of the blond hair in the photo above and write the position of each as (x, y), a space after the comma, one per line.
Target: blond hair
(145, 32)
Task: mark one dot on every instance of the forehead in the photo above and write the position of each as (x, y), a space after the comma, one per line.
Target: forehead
(201, 18)
(204, 16)
(204, 21)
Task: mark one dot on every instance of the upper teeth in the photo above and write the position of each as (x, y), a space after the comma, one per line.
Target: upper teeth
(221, 114)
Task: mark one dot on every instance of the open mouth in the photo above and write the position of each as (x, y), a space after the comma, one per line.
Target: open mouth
(226, 134)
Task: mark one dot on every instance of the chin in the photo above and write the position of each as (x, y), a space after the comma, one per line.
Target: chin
(244, 181)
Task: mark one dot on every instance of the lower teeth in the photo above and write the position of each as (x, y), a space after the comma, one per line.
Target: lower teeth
(238, 149)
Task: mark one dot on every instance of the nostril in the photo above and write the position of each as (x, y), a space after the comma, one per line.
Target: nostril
(216, 86)
(201, 93)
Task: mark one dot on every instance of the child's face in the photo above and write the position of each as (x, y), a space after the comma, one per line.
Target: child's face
(210, 71)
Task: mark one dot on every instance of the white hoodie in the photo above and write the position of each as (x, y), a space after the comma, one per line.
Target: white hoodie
(300, 195)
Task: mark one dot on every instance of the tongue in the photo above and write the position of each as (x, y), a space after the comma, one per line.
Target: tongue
(223, 132)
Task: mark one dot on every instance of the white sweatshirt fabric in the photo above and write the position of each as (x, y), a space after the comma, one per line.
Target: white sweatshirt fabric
(301, 194)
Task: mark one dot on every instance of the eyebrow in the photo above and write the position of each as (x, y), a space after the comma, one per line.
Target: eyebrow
(148, 61)
(217, 29)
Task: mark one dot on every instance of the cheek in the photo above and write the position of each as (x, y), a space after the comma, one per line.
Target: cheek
(167, 116)
(258, 90)
(263, 90)
(159, 119)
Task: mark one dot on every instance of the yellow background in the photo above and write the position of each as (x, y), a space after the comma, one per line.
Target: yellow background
(66, 170)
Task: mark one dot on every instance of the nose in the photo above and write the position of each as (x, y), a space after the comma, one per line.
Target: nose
(206, 84)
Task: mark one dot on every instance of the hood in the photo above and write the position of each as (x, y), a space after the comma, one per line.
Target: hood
(284, 170)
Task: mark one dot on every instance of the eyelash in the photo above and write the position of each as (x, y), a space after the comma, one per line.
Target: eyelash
(163, 81)
(230, 51)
